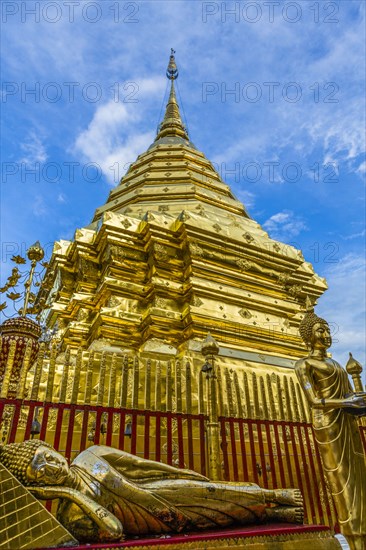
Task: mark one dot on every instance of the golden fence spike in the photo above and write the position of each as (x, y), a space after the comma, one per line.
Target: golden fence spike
(188, 388)
(272, 403)
(102, 373)
(124, 384)
(302, 408)
(89, 378)
(178, 387)
(289, 412)
(229, 393)
(221, 408)
(51, 371)
(201, 399)
(248, 405)
(112, 381)
(38, 372)
(76, 380)
(169, 397)
(135, 383)
(257, 412)
(265, 410)
(279, 398)
(238, 396)
(158, 387)
(148, 385)
(65, 376)
(295, 406)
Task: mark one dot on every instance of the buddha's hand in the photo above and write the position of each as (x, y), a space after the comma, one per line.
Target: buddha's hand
(356, 400)
(109, 527)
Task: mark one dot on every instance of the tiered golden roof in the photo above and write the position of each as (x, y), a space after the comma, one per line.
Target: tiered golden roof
(172, 255)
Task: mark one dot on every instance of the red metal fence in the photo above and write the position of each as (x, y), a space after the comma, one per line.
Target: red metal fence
(272, 454)
(174, 438)
(277, 454)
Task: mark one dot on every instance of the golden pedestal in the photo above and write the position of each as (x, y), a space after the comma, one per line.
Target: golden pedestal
(264, 537)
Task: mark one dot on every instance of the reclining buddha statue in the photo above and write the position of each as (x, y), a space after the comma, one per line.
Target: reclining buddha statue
(107, 493)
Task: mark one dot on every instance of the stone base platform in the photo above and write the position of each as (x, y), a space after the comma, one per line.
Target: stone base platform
(263, 537)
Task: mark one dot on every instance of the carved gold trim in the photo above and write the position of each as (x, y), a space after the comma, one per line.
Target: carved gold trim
(303, 541)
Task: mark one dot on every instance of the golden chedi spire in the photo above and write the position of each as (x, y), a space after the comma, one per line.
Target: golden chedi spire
(171, 255)
(172, 124)
(172, 175)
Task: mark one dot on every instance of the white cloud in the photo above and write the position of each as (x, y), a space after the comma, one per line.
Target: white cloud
(39, 207)
(34, 150)
(110, 142)
(61, 198)
(112, 139)
(329, 118)
(343, 306)
(362, 168)
(246, 197)
(339, 131)
(355, 235)
(284, 225)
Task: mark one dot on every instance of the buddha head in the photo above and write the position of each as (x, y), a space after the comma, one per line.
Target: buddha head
(35, 462)
(315, 332)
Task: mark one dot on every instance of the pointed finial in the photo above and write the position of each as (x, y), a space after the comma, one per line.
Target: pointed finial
(172, 125)
(210, 346)
(35, 252)
(172, 70)
(354, 368)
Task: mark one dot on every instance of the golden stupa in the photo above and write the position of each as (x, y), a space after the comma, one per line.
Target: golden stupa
(171, 256)
(175, 332)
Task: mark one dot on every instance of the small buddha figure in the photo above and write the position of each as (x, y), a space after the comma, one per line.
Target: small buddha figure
(334, 408)
(107, 493)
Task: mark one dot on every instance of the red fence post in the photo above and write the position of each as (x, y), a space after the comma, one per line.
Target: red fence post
(46, 409)
(158, 438)
(147, 436)
(28, 426)
(233, 449)
(269, 443)
(243, 451)
(190, 444)
(224, 449)
(180, 442)
(84, 428)
(56, 439)
(279, 454)
(15, 420)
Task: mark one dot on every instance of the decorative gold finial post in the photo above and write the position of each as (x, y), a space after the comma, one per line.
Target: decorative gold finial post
(210, 350)
(35, 254)
(172, 125)
(172, 71)
(354, 368)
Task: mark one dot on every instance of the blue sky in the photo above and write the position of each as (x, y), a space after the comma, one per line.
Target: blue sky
(273, 93)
